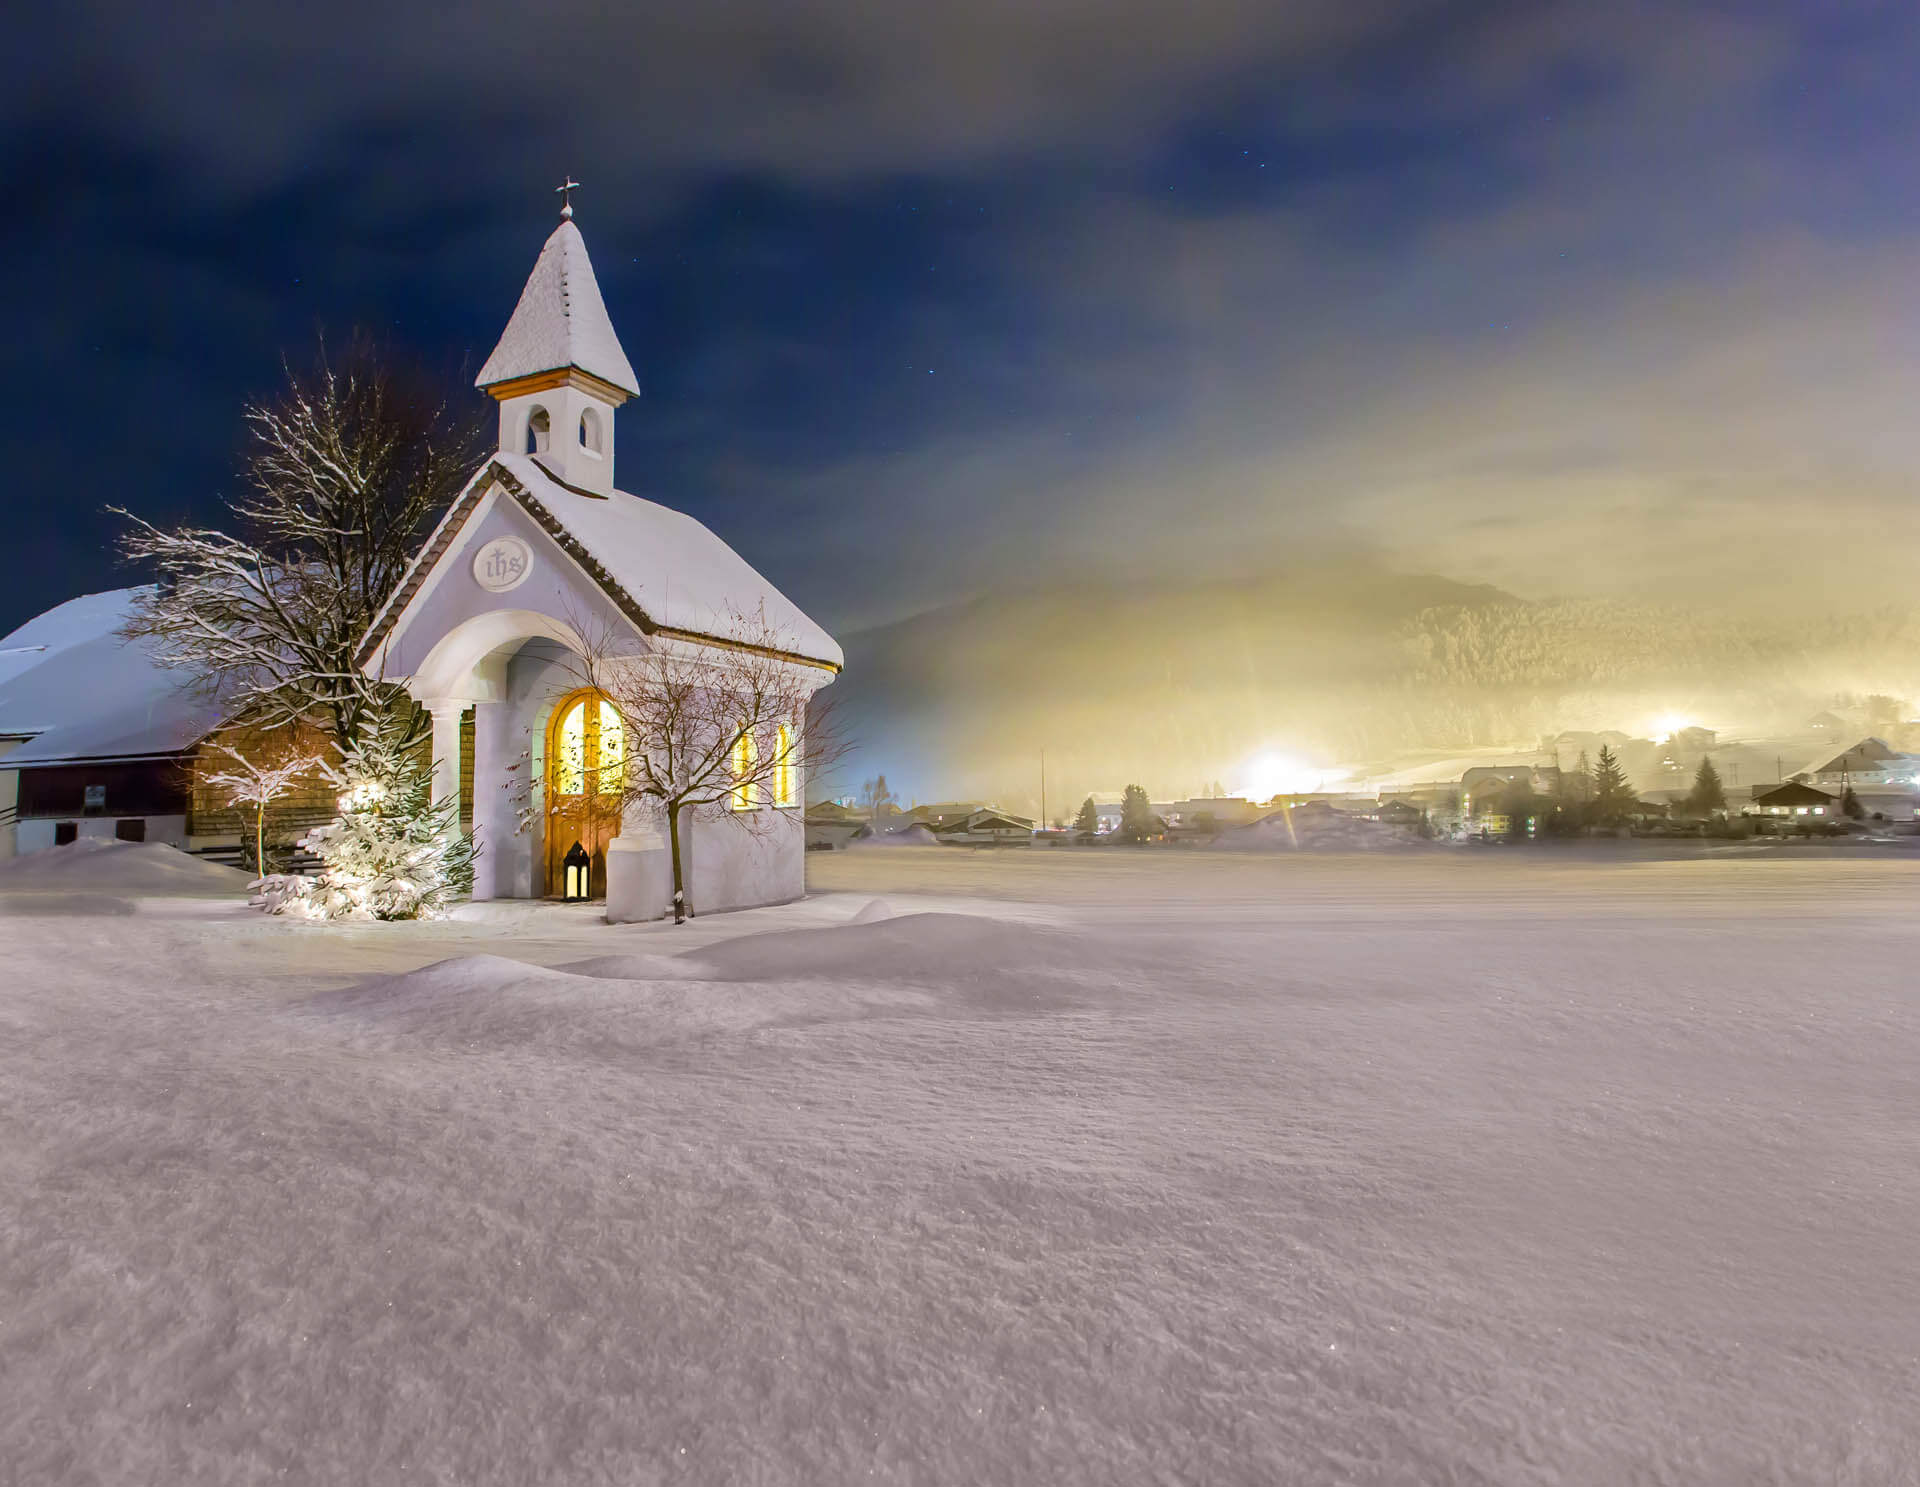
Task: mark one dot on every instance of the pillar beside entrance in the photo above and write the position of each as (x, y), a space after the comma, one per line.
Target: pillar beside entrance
(446, 749)
(501, 868)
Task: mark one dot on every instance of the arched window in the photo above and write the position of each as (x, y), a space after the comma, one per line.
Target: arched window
(745, 756)
(539, 430)
(589, 748)
(784, 772)
(590, 431)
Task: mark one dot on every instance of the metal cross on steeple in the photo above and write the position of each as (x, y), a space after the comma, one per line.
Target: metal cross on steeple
(565, 191)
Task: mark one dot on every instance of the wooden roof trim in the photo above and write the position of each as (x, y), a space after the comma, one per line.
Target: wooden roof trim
(513, 387)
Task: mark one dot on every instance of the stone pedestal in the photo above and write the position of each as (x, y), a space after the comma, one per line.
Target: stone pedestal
(639, 876)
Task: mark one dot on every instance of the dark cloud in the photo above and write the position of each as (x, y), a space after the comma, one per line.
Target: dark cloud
(1567, 298)
(818, 88)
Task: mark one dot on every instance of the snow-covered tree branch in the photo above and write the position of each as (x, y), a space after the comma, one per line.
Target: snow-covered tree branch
(344, 474)
(258, 783)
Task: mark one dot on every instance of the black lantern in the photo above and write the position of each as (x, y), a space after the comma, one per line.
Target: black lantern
(578, 868)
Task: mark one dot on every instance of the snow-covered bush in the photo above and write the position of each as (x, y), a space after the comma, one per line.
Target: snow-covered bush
(392, 853)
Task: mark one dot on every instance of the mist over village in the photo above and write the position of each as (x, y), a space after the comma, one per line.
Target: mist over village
(1363, 685)
(1062, 743)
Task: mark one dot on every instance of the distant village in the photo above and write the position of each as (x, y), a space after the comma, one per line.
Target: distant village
(1832, 778)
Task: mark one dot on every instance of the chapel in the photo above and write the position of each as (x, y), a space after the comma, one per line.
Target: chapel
(540, 559)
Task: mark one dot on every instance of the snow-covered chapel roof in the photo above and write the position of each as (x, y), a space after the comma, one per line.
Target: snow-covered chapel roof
(665, 570)
(560, 322)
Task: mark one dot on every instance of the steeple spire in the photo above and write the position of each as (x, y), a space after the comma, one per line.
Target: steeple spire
(560, 322)
(559, 371)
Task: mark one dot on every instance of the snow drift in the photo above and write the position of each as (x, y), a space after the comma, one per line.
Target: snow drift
(1319, 1171)
(479, 1003)
(1322, 830)
(915, 834)
(907, 947)
(121, 869)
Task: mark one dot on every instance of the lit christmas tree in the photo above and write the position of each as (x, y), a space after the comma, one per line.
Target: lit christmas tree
(393, 853)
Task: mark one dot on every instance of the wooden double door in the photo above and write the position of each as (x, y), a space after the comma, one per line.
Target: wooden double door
(585, 778)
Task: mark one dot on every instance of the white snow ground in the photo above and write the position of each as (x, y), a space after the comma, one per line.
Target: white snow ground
(1114, 1168)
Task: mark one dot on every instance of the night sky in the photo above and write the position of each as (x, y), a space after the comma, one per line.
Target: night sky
(927, 300)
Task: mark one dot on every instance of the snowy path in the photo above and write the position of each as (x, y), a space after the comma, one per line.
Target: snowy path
(1409, 1171)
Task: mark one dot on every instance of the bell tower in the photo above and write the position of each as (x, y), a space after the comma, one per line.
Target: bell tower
(559, 372)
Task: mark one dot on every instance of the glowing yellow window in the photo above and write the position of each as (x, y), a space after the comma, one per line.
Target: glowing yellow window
(783, 771)
(613, 751)
(744, 758)
(570, 769)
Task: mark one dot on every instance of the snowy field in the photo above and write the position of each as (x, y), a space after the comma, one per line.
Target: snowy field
(1101, 1168)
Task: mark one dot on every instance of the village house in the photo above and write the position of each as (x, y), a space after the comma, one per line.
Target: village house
(1871, 762)
(1209, 813)
(986, 828)
(1486, 780)
(1793, 800)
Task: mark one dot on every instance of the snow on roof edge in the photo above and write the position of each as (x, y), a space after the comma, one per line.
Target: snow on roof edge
(609, 533)
(560, 321)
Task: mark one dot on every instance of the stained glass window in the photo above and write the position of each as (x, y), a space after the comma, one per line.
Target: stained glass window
(783, 767)
(744, 758)
(613, 751)
(570, 769)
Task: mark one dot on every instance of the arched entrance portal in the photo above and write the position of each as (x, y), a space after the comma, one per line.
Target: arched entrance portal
(586, 775)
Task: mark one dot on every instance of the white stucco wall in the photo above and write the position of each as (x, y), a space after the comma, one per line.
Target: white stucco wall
(554, 600)
(730, 861)
(740, 862)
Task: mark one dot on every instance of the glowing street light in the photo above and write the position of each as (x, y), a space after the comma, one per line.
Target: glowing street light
(1271, 774)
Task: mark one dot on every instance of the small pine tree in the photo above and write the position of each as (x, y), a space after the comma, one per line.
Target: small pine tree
(1850, 806)
(1136, 815)
(1089, 818)
(393, 853)
(1612, 795)
(1708, 795)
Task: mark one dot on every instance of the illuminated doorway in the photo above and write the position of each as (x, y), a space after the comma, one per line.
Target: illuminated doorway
(586, 774)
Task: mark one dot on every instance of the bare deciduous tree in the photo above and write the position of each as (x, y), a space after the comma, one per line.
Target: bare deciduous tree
(258, 783)
(877, 800)
(345, 472)
(718, 727)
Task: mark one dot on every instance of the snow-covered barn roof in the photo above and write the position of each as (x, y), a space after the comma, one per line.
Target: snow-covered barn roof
(76, 690)
(560, 322)
(1863, 758)
(666, 571)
